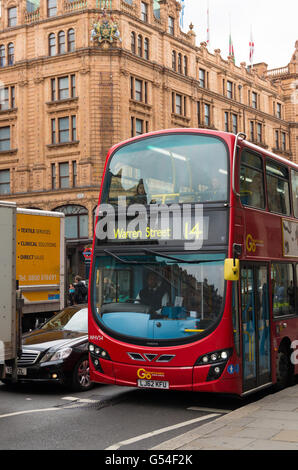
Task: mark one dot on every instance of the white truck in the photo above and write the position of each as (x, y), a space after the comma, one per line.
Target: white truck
(40, 262)
(10, 313)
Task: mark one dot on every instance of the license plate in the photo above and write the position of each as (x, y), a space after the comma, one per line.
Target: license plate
(153, 384)
(20, 370)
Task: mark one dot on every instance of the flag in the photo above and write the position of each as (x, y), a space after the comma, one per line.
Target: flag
(231, 49)
(208, 30)
(251, 48)
(181, 13)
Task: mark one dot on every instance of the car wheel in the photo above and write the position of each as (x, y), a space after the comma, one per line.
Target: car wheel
(81, 376)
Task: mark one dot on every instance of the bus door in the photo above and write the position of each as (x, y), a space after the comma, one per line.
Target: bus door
(255, 326)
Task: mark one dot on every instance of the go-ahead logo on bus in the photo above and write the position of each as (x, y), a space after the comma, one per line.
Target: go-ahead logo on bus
(145, 374)
(252, 244)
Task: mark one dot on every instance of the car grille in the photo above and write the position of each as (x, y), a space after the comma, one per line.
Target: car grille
(28, 357)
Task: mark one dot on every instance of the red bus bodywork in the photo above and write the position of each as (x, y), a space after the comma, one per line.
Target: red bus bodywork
(246, 226)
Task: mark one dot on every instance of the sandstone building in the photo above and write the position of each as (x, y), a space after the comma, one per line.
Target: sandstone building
(72, 85)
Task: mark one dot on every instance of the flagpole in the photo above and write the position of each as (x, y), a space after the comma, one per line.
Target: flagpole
(208, 26)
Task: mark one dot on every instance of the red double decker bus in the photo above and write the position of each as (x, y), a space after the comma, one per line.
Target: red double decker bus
(193, 281)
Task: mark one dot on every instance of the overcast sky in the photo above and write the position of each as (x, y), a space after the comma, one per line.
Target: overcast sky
(274, 27)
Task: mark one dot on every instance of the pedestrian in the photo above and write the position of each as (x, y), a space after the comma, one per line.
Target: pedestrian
(81, 291)
(71, 294)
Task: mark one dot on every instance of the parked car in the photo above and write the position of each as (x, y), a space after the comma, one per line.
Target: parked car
(57, 351)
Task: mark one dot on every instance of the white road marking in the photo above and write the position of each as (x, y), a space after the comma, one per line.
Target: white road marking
(160, 431)
(16, 413)
(57, 408)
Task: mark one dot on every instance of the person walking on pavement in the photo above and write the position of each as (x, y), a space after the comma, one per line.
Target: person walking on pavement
(81, 291)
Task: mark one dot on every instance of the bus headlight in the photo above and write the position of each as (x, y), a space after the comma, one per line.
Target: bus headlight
(217, 360)
(96, 351)
(214, 357)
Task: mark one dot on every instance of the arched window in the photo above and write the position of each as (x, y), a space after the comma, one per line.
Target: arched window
(185, 65)
(179, 63)
(10, 54)
(71, 40)
(140, 45)
(52, 44)
(2, 56)
(133, 42)
(146, 48)
(174, 60)
(61, 42)
(76, 221)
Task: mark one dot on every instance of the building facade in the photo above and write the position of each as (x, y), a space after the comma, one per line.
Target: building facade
(77, 76)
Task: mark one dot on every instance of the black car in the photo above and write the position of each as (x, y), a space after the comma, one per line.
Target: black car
(58, 351)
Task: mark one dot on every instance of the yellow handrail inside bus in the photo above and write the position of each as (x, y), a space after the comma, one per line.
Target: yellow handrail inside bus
(191, 330)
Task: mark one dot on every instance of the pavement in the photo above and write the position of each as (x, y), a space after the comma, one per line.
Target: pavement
(271, 423)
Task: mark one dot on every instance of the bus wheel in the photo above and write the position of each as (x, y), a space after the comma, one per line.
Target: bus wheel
(283, 371)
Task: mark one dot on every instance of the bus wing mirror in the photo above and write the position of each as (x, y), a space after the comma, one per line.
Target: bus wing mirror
(231, 271)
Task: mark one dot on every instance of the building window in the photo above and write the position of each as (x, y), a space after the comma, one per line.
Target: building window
(234, 123)
(178, 104)
(179, 64)
(12, 97)
(12, 16)
(229, 89)
(10, 54)
(63, 88)
(52, 44)
(7, 98)
(133, 42)
(138, 126)
(207, 114)
(74, 173)
(2, 55)
(4, 181)
(32, 5)
(66, 127)
(76, 221)
(61, 42)
(63, 129)
(140, 45)
(226, 121)
(259, 132)
(146, 48)
(138, 90)
(4, 138)
(144, 11)
(71, 40)
(254, 99)
(283, 141)
(278, 110)
(174, 61)
(171, 25)
(276, 139)
(66, 87)
(185, 62)
(52, 7)
(53, 175)
(251, 130)
(202, 78)
(63, 175)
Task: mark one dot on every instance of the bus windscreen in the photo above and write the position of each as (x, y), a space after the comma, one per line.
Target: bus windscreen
(154, 297)
(172, 168)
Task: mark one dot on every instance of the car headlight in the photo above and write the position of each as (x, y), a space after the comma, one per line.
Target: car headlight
(57, 355)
